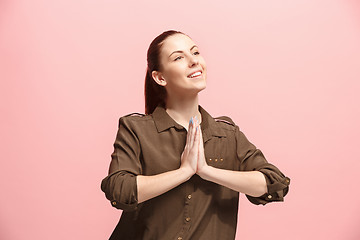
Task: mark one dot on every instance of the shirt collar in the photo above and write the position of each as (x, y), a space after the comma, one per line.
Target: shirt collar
(163, 121)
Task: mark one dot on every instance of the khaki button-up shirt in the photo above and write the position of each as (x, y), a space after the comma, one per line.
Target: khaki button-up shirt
(196, 209)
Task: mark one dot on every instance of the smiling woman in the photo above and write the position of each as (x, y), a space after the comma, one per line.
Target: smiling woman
(180, 179)
(180, 65)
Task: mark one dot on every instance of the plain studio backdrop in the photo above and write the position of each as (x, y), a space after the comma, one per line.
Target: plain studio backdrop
(287, 73)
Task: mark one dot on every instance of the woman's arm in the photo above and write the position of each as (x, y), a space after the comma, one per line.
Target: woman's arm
(261, 181)
(252, 183)
(152, 186)
(125, 187)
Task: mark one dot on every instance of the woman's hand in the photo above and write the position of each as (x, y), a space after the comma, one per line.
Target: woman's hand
(201, 163)
(189, 156)
(155, 185)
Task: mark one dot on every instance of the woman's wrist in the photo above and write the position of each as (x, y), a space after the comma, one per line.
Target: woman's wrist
(204, 172)
(188, 172)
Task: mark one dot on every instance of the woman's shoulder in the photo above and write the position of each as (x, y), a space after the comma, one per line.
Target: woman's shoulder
(133, 117)
(225, 122)
(225, 119)
(134, 114)
(222, 122)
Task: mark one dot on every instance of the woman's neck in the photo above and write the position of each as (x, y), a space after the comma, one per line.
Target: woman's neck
(182, 110)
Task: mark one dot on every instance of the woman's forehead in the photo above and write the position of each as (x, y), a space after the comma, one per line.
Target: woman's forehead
(177, 42)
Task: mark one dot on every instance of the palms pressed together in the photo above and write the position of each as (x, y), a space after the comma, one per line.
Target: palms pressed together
(193, 156)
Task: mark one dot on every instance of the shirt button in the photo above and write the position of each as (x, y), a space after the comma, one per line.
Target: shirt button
(215, 159)
(189, 196)
(188, 219)
(179, 238)
(269, 196)
(113, 203)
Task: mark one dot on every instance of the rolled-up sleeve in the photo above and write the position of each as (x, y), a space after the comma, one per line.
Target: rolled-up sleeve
(252, 159)
(120, 186)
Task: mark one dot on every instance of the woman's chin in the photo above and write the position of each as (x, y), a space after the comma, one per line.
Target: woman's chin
(202, 85)
(200, 88)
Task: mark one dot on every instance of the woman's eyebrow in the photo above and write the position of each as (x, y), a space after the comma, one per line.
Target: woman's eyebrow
(179, 51)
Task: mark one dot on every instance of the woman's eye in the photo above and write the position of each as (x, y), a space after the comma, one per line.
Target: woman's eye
(196, 53)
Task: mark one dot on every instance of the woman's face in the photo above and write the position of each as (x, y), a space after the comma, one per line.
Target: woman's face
(180, 58)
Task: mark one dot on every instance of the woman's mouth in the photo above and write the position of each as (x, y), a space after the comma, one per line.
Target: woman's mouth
(196, 74)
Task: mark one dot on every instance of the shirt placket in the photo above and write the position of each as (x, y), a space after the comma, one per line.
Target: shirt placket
(188, 210)
(188, 213)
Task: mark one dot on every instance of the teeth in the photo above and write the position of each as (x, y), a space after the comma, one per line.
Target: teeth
(195, 74)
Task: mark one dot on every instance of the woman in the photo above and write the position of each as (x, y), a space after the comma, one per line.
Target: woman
(180, 179)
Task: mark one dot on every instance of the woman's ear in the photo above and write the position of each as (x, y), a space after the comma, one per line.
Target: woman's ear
(158, 78)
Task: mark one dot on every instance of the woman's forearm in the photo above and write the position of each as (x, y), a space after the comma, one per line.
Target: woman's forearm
(252, 183)
(152, 186)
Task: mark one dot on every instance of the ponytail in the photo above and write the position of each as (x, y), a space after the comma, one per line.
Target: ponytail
(155, 94)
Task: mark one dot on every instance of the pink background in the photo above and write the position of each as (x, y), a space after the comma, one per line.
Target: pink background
(287, 72)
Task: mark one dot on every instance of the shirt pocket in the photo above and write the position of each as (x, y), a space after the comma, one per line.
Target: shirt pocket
(217, 153)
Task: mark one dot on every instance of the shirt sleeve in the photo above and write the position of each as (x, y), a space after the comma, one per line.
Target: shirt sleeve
(252, 159)
(120, 186)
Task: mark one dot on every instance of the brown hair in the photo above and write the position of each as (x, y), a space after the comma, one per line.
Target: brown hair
(155, 94)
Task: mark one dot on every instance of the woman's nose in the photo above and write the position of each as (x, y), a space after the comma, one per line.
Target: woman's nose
(193, 61)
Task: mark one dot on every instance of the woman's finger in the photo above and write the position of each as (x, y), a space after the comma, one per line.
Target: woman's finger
(191, 132)
(194, 146)
(188, 134)
(201, 137)
(196, 134)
